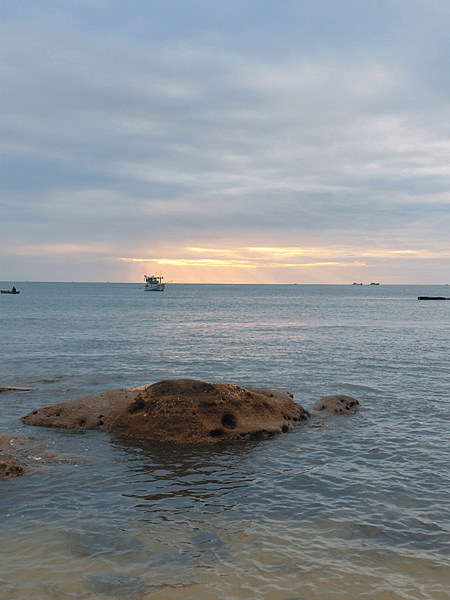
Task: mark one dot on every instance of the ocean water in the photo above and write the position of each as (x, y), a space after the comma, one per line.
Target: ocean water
(344, 507)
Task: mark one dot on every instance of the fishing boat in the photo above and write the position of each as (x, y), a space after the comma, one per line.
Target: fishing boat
(11, 291)
(153, 283)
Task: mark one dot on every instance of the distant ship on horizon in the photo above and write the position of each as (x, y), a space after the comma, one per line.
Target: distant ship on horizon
(153, 283)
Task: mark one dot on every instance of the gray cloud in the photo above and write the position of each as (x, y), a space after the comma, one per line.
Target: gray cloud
(105, 137)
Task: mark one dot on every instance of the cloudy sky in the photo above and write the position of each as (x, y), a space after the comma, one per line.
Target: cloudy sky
(244, 141)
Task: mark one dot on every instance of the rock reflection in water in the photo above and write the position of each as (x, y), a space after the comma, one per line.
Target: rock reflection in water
(183, 479)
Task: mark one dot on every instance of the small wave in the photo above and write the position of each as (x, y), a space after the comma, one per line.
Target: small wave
(50, 380)
(354, 386)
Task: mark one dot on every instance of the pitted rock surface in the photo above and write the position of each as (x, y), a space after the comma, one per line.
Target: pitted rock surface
(89, 412)
(337, 405)
(179, 410)
(185, 410)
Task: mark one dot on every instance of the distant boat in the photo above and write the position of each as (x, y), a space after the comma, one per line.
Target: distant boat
(357, 284)
(11, 291)
(374, 284)
(153, 284)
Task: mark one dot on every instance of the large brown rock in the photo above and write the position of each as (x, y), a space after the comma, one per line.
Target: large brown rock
(185, 410)
(179, 410)
(337, 404)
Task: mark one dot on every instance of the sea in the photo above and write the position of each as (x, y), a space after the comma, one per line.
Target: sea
(343, 507)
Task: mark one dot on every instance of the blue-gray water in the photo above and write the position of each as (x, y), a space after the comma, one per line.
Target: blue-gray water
(356, 508)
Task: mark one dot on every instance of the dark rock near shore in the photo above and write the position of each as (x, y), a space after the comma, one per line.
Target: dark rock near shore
(10, 467)
(179, 410)
(20, 453)
(337, 405)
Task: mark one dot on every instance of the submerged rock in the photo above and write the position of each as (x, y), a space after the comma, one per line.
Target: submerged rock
(14, 389)
(179, 410)
(19, 453)
(10, 467)
(337, 405)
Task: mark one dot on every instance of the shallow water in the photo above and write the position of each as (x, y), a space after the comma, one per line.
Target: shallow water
(343, 507)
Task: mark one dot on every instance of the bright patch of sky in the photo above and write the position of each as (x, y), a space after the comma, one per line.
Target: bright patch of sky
(228, 142)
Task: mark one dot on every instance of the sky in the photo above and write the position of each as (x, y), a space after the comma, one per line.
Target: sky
(246, 141)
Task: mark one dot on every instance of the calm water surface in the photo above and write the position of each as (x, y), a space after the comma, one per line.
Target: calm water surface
(342, 508)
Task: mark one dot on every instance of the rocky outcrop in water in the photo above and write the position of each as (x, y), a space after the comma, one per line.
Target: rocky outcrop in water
(337, 405)
(19, 453)
(197, 411)
(10, 467)
(179, 410)
(90, 412)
